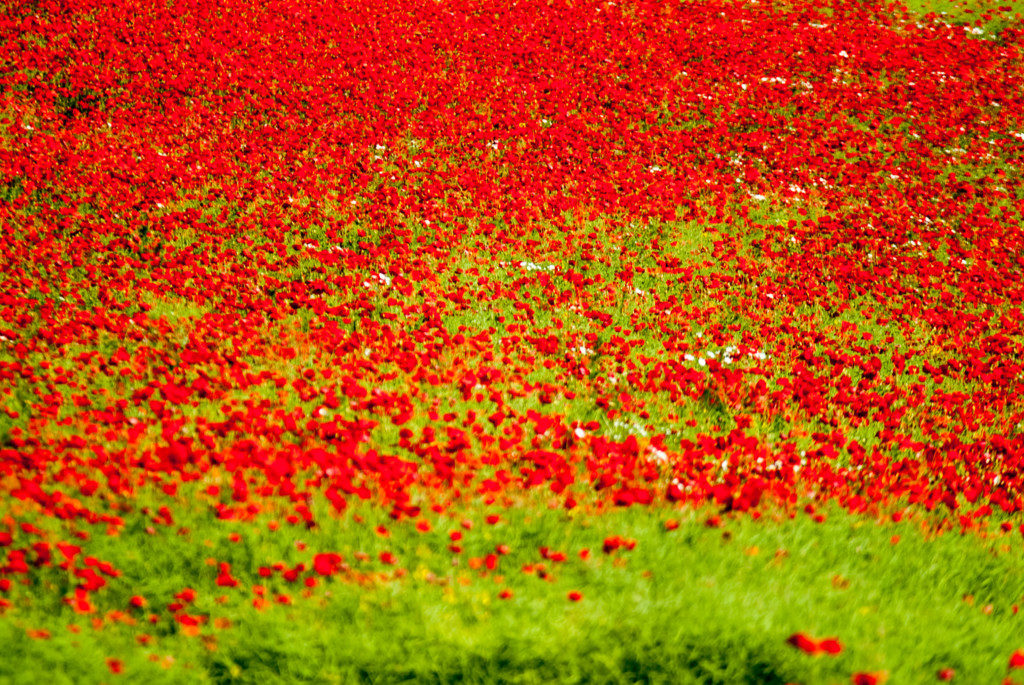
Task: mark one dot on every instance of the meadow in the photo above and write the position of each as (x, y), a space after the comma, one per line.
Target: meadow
(546, 341)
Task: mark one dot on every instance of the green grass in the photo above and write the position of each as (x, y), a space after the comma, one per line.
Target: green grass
(963, 9)
(696, 604)
(984, 14)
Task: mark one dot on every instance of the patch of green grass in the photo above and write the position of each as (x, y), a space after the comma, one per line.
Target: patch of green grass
(992, 16)
(696, 604)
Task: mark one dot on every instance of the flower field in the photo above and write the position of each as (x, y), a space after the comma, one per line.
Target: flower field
(535, 341)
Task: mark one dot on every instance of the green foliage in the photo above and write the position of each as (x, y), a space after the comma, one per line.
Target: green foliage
(701, 604)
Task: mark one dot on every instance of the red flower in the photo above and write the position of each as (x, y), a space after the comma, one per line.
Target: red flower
(326, 564)
(803, 643)
(830, 646)
(81, 603)
(224, 578)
